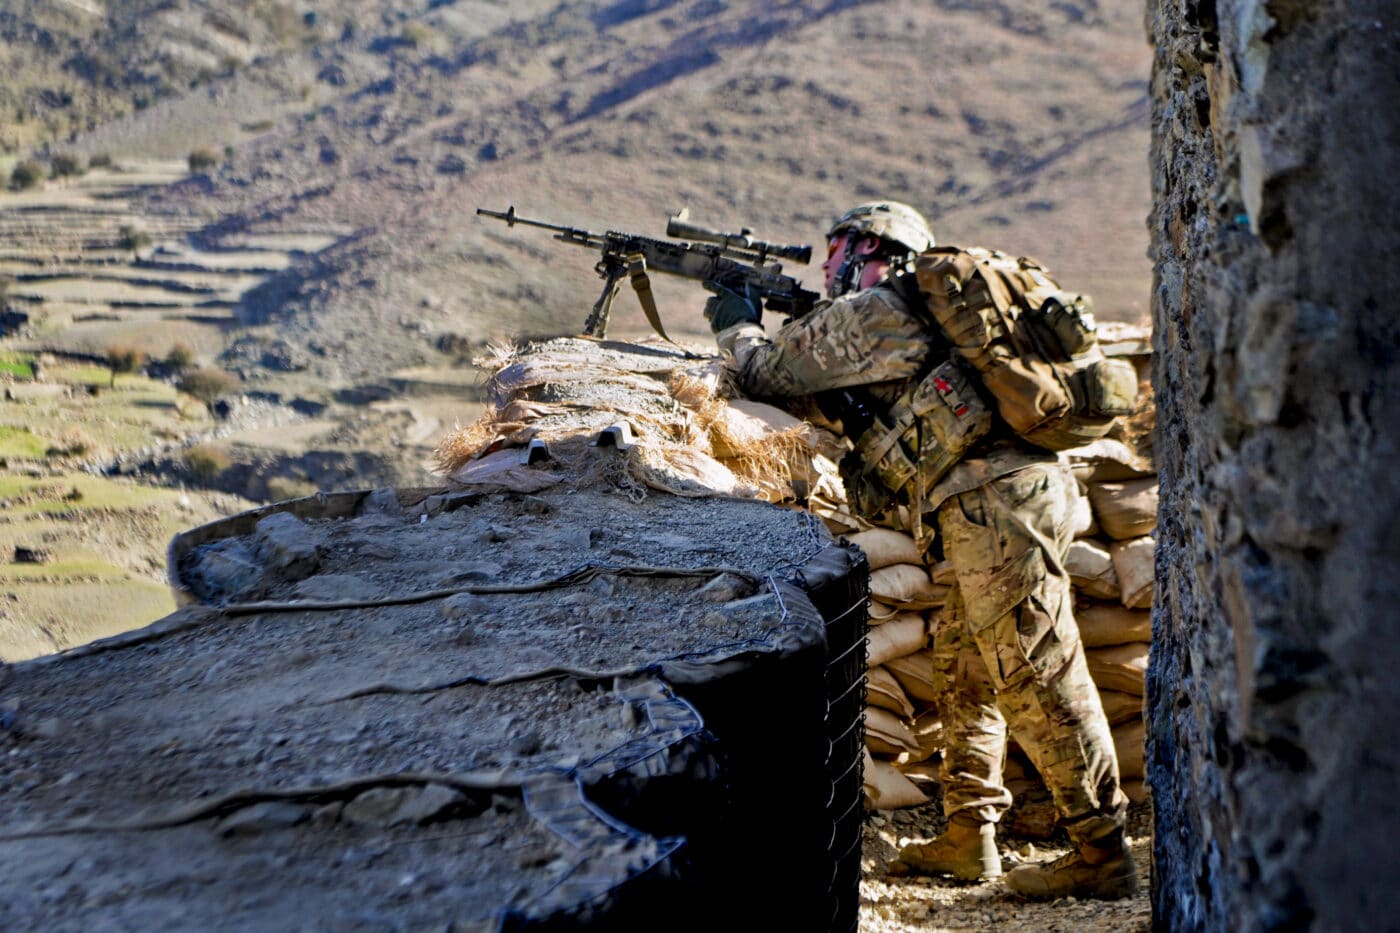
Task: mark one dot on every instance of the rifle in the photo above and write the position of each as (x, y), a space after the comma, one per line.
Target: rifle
(734, 261)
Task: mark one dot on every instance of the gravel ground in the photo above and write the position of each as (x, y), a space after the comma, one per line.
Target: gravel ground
(892, 901)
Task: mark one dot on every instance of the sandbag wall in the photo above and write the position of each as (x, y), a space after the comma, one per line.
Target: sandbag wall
(1110, 565)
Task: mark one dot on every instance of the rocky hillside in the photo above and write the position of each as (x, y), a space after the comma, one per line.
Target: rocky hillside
(1010, 123)
(72, 66)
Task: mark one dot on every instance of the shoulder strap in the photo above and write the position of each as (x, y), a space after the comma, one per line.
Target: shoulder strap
(904, 283)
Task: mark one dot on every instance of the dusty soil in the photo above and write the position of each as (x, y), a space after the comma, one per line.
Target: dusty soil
(894, 900)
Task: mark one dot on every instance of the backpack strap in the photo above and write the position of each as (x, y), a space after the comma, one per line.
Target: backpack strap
(904, 283)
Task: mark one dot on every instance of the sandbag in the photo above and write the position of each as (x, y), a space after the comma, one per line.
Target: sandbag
(1127, 509)
(1090, 567)
(503, 469)
(898, 616)
(743, 424)
(1107, 461)
(886, 733)
(1135, 564)
(1019, 776)
(1136, 790)
(685, 471)
(1129, 741)
(1018, 767)
(1119, 667)
(1103, 624)
(895, 638)
(1082, 522)
(1120, 707)
(883, 612)
(907, 585)
(882, 690)
(922, 772)
(886, 788)
(915, 674)
(884, 547)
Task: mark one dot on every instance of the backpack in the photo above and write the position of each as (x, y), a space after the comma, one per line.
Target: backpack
(1034, 345)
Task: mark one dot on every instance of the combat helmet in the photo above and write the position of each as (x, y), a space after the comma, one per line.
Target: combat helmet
(887, 232)
(891, 221)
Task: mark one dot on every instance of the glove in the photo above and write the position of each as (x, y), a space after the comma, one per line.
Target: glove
(726, 308)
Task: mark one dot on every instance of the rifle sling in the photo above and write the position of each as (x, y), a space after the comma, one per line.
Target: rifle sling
(641, 284)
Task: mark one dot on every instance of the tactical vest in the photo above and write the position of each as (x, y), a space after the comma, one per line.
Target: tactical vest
(901, 450)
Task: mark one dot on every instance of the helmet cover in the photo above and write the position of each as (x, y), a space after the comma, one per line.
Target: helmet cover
(891, 221)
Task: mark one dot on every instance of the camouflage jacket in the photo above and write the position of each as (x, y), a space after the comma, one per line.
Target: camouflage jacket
(871, 339)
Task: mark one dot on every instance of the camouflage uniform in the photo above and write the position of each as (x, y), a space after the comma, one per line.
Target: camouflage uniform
(1008, 653)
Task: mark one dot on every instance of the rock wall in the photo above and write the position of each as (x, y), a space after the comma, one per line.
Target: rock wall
(1272, 689)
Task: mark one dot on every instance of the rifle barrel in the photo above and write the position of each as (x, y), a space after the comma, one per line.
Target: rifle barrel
(512, 218)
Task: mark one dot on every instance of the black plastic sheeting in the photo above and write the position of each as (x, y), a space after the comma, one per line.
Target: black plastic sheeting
(789, 730)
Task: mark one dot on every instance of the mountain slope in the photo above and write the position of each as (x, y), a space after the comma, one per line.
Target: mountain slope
(1010, 124)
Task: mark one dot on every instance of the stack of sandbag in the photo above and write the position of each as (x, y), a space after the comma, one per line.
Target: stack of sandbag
(902, 729)
(1112, 567)
(564, 408)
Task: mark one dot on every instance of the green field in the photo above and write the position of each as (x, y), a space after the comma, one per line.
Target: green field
(100, 541)
(19, 444)
(17, 365)
(40, 618)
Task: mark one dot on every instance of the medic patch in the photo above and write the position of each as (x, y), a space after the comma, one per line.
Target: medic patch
(950, 395)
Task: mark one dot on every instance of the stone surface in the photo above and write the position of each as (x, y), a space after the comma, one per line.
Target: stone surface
(287, 545)
(1272, 687)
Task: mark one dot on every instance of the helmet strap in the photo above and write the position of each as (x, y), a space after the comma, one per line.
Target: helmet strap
(853, 260)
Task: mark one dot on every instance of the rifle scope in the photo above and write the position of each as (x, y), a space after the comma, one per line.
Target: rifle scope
(680, 228)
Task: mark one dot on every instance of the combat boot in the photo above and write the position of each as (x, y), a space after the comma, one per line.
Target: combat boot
(967, 851)
(1089, 871)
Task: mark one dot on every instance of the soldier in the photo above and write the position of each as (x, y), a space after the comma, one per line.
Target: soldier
(1009, 651)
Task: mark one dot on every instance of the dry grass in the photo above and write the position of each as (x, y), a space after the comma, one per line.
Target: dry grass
(466, 444)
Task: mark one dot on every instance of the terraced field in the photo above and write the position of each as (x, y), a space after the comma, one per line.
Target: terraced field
(82, 553)
(90, 267)
(100, 466)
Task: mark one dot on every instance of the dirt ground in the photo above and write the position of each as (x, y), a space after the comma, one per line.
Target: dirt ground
(895, 901)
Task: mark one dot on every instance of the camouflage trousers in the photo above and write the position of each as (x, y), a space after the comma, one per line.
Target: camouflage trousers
(1008, 657)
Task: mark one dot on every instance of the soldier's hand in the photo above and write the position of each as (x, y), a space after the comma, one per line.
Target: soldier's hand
(726, 308)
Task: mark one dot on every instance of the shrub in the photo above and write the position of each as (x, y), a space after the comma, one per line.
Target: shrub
(72, 443)
(122, 359)
(203, 158)
(131, 238)
(207, 385)
(65, 164)
(100, 160)
(415, 34)
(282, 488)
(180, 357)
(207, 463)
(27, 174)
(18, 365)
